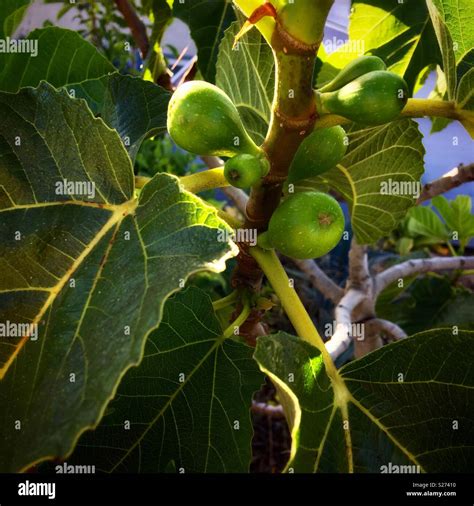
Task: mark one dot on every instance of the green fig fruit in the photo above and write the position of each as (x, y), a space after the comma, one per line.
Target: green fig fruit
(372, 99)
(305, 225)
(203, 120)
(354, 69)
(319, 152)
(244, 171)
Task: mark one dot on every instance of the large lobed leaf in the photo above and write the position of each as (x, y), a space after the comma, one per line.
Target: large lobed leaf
(422, 221)
(136, 109)
(377, 160)
(408, 404)
(457, 223)
(465, 99)
(187, 403)
(247, 74)
(465, 92)
(64, 57)
(92, 272)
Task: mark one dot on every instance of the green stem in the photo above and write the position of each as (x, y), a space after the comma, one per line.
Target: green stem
(419, 107)
(195, 183)
(294, 308)
(274, 271)
(271, 266)
(415, 108)
(451, 249)
(205, 180)
(225, 301)
(330, 120)
(240, 320)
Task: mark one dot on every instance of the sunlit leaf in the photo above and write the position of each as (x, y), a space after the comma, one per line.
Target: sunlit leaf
(187, 403)
(88, 272)
(64, 57)
(407, 404)
(246, 73)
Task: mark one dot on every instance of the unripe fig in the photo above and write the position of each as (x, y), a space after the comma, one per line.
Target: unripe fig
(372, 99)
(354, 69)
(244, 171)
(305, 19)
(305, 225)
(319, 152)
(203, 120)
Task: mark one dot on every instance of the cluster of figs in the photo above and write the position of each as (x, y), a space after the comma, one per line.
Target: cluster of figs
(203, 120)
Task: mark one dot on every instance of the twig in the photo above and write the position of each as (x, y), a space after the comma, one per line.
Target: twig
(212, 162)
(450, 180)
(423, 265)
(371, 337)
(320, 280)
(362, 292)
(342, 337)
(358, 295)
(137, 27)
(238, 197)
(359, 275)
(379, 325)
